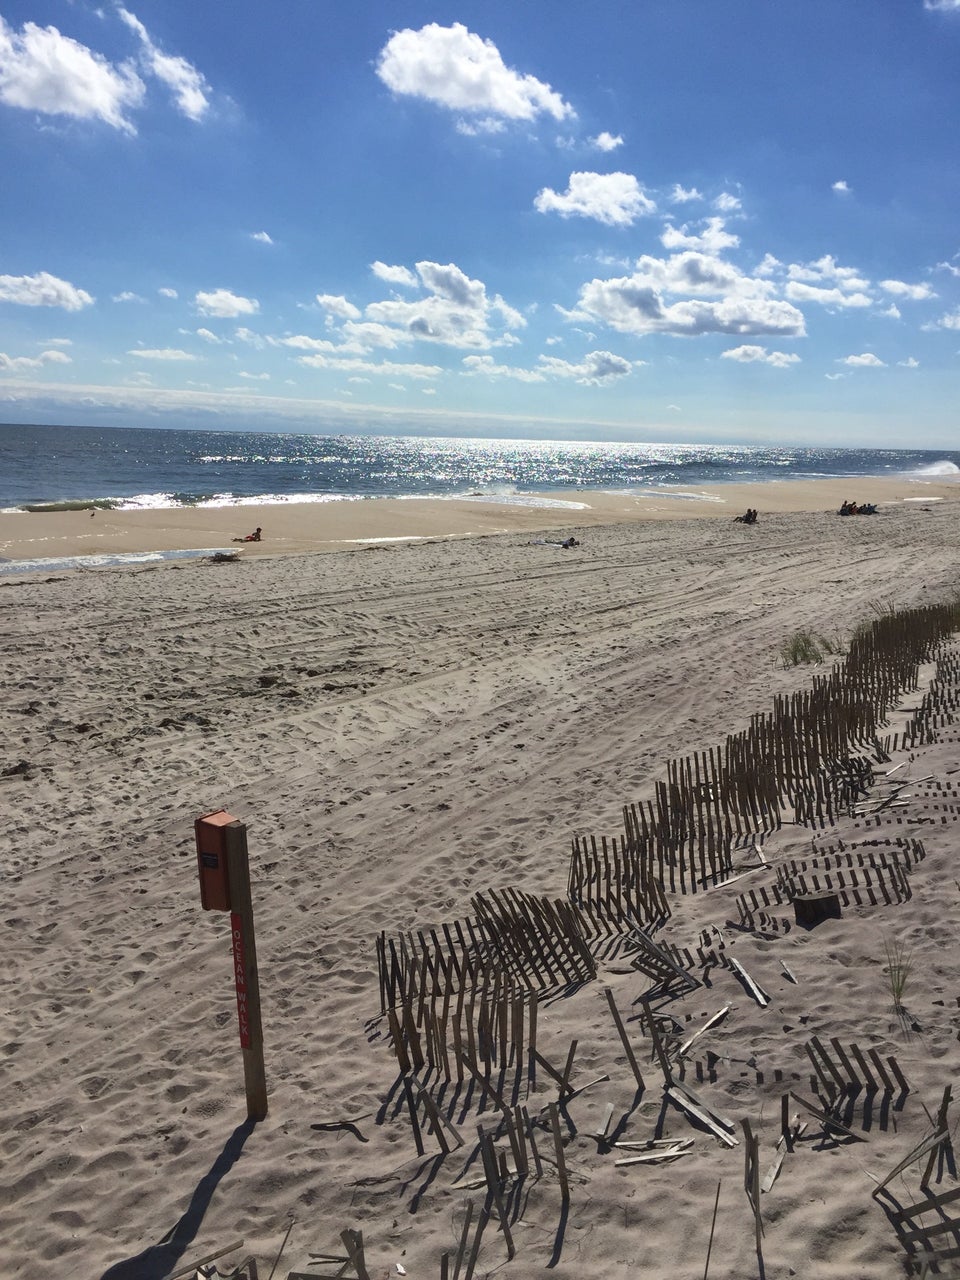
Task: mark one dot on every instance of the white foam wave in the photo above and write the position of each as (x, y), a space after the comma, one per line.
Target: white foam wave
(41, 564)
(943, 470)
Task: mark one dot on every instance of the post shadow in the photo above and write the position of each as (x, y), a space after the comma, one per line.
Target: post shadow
(158, 1260)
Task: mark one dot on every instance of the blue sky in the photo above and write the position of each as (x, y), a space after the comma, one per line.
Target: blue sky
(703, 220)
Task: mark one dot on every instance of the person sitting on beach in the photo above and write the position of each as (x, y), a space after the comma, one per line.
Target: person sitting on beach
(251, 537)
(749, 518)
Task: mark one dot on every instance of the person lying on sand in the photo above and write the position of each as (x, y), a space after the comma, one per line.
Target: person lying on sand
(251, 537)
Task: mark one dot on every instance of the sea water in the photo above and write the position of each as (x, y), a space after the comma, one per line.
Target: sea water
(130, 468)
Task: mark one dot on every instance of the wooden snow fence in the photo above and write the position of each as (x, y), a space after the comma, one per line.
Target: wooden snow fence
(859, 875)
(808, 756)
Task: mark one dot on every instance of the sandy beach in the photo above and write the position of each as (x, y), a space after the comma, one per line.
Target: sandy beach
(401, 726)
(295, 528)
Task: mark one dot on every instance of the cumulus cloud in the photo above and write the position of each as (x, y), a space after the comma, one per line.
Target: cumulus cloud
(713, 237)
(25, 364)
(914, 292)
(607, 141)
(254, 377)
(727, 203)
(715, 297)
(224, 304)
(42, 70)
(455, 68)
(207, 336)
(827, 269)
(828, 283)
(167, 293)
(160, 353)
(262, 237)
(616, 199)
(337, 305)
(487, 367)
(798, 292)
(841, 188)
(945, 6)
(682, 195)
(456, 311)
(909, 363)
(43, 290)
(760, 355)
(394, 275)
(127, 296)
(385, 368)
(865, 361)
(187, 85)
(949, 321)
(597, 369)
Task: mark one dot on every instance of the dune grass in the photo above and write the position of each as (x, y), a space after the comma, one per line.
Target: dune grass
(899, 964)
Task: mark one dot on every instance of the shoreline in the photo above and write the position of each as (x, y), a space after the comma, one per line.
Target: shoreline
(303, 528)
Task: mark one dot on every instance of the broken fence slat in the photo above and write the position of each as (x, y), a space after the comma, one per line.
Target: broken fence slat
(712, 1022)
(773, 1173)
(756, 991)
(692, 1109)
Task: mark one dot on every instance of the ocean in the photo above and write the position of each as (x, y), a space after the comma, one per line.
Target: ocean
(129, 468)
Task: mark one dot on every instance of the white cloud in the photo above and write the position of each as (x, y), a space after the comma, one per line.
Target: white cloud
(636, 304)
(300, 342)
(188, 86)
(207, 336)
(682, 195)
(914, 292)
(253, 339)
(615, 199)
(760, 355)
(945, 6)
(42, 70)
(597, 369)
(43, 290)
(768, 266)
(486, 367)
(841, 188)
(386, 368)
(892, 312)
(480, 126)
(948, 266)
(336, 305)
(865, 361)
(798, 292)
(726, 203)
(607, 141)
(23, 364)
(712, 239)
(455, 68)
(909, 363)
(167, 293)
(127, 296)
(457, 311)
(827, 269)
(223, 303)
(57, 342)
(394, 275)
(254, 377)
(949, 321)
(161, 353)
(262, 237)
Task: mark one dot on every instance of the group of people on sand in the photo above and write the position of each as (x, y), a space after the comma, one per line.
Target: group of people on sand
(750, 517)
(857, 509)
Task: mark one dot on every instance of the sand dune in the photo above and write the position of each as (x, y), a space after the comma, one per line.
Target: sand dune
(401, 727)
